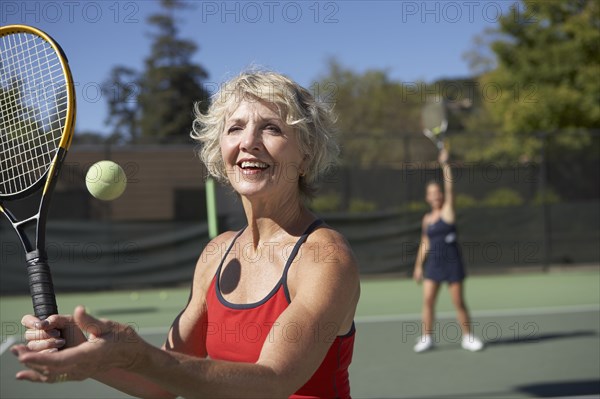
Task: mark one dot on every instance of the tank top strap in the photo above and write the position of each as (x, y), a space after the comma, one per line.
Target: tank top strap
(229, 250)
(293, 254)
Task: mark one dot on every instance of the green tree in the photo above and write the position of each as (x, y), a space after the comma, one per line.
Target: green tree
(546, 77)
(156, 104)
(21, 120)
(121, 91)
(379, 119)
(374, 114)
(171, 82)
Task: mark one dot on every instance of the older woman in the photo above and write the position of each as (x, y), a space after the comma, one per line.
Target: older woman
(272, 306)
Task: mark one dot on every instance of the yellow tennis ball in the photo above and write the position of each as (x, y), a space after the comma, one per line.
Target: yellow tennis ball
(106, 180)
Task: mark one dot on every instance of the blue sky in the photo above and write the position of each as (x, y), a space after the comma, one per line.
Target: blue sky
(412, 40)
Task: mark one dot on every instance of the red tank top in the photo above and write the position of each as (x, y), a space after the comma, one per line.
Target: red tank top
(237, 332)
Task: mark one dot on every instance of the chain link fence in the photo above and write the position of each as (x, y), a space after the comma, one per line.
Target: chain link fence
(533, 214)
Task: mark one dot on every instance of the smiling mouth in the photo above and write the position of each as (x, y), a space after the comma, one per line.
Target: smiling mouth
(252, 167)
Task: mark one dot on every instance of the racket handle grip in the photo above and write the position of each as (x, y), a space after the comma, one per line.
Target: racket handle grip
(41, 288)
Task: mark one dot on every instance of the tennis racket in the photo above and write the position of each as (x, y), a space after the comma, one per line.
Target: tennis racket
(37, 115)
(434, 121)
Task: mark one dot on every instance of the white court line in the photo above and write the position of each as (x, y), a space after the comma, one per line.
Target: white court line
(10, 341)
(442, 315)
(483, 313)
(405, 317)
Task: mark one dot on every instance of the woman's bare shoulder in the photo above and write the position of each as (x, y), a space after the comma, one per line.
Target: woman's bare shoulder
(330, 247)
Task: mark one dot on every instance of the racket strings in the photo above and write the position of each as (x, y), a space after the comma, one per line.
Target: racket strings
(33, 109)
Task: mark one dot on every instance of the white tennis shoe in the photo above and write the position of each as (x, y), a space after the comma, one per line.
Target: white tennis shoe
(472, 343)
(424, 343)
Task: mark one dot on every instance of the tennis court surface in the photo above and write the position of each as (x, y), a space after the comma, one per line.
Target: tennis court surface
(542, 333)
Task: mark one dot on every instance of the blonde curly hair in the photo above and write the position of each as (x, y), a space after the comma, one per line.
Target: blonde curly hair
(312, 120)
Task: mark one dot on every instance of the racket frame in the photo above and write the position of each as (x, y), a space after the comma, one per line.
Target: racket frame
(38, 270)
(436, 138)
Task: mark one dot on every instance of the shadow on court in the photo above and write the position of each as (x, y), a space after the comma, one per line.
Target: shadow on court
(543, 337)
(564, 388)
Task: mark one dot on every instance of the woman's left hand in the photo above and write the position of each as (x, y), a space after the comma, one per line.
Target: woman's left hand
(418, 274)
(109, 345)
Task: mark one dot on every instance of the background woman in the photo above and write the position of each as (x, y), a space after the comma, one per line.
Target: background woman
(439, 260)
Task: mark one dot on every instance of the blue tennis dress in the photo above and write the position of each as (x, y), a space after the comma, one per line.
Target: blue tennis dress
(444, 259)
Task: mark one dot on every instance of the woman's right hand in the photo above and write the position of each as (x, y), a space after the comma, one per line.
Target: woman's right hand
(443, 156)
(51, 334)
